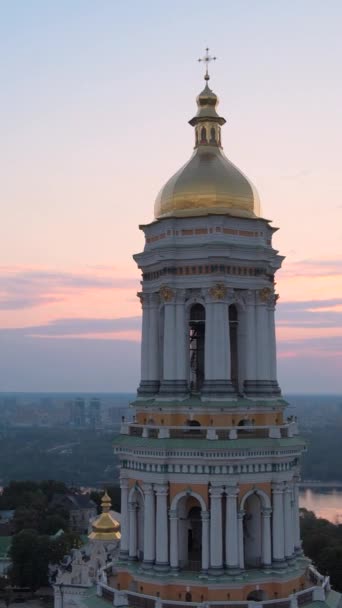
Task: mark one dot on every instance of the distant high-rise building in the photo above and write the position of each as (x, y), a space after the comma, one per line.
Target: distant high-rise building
(94, 413)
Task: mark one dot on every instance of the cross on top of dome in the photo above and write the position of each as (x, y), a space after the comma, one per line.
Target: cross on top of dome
(206, 59)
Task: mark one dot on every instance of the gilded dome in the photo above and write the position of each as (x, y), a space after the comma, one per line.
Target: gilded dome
(209, 183)
(105, 527)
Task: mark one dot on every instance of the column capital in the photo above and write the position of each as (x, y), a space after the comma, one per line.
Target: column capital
(267, 511)
(161, 489)
(147, 488)
(277, 487)
(266, 296)
(132, 506)
(241, 514)
(173, 514)
(220, 292)
(232, 491)
(124, 482)
(216, 491)
(205, 515)
(167, 295)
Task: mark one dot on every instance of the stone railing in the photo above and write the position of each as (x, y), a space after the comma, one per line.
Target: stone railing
(226, 433)
(123, 598)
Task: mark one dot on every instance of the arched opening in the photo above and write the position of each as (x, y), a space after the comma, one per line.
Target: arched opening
(233, 335)
(190, 533)
(196, 346)
(258, 595)
(252, 530)
(212, 136)
(203, 135)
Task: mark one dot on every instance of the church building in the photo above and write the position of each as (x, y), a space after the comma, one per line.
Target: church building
(210, 464)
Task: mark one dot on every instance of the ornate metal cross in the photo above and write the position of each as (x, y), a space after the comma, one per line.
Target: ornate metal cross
(207, 58)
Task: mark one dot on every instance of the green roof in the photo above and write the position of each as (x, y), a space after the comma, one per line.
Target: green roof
(195, 401)
(232, 444)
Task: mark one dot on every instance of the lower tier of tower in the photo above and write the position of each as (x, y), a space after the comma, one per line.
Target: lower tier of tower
(255, 585)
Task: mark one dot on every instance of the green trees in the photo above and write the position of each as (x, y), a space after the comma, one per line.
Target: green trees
(322, 542)
(31, 553)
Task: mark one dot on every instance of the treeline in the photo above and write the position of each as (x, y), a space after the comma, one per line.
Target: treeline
(74, 456)
(322, 543)
(41, 531)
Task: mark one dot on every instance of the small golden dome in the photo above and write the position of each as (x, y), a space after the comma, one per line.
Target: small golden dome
(105, 527)
(208, 183)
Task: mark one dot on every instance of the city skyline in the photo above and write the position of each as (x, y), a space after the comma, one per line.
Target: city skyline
(95, 109)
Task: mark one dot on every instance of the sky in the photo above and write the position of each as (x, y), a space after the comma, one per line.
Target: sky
(95, 99)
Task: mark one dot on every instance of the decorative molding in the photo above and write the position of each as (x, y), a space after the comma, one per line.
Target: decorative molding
(218, 291)
(166, 294)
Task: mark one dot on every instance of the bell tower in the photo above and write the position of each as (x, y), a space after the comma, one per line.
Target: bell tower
(210, 465)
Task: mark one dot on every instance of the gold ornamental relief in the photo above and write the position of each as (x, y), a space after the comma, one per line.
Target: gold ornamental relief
(218, 292)
(166, 293)
(265, 294)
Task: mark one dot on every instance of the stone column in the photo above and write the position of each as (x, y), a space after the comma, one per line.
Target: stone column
(205, 517)
(162, 532)
(182, 344)
(240, 516)
(288, 523)
(170, 383)
(296, 526)
(149, 526)
(266, 537)
(216, 530)
(232, 544)
(149, 383)
(272, 343)
(263, 384)
(132, 509)
(217, 343)
(278, 524)
(250, 344)
(124, 519)
(174, 559)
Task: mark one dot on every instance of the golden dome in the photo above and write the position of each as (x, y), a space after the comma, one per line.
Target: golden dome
(105, 527)
(208, 183)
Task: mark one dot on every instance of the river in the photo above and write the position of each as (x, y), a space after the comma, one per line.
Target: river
(324, 502)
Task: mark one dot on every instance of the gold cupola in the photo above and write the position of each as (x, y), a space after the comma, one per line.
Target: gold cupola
(208, 183)
(105, 527)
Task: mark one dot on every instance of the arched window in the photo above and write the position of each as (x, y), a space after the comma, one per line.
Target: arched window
(204, 135)
(233, 334)
(196, 346)
(212, 136)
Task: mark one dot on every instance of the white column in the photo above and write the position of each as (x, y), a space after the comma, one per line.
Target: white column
(209, 371)
(145, 336)
(272, 341)
(170, 337)
(162, 532)
(153, 354)
(217, 341)
(250, 337)
(232, 547)
(124, 518)
(149, 525)
(278, 522)
(216, 531)
(205, 516)
(241, 515)
(266, 537)
(182, 346)
(132, 509)
(174, 559)
(288, 523)
(296, 527)
(262, 334)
